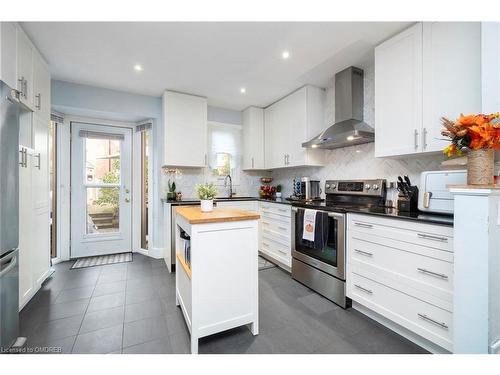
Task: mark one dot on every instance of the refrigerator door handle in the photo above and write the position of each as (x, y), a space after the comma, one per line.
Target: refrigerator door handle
(11, 264)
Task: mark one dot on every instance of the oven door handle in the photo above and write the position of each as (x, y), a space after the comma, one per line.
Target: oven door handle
(331, 214)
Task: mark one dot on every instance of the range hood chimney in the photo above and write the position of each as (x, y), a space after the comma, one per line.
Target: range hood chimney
(349, 128)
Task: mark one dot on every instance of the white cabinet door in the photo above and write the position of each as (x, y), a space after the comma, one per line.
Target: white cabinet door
(294, 125)
(41, 88)
(253, 138)
(274, 142)
(185, 119)
(8, 54)
(24, 68)
(398, 94)
(452, 76)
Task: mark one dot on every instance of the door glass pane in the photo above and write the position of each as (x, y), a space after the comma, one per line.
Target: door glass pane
(103, 210)
(102, 161)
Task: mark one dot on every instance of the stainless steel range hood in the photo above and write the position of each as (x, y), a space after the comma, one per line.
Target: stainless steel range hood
(349, 128)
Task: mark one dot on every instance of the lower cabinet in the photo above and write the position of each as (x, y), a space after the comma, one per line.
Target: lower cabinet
(275, 235)
(403, 271)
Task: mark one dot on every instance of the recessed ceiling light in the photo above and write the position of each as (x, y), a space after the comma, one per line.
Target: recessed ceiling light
(243, 90)
(138, 68)
(285, 55)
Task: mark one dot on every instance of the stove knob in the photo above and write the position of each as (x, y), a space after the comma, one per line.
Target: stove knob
(367, 186)
(375, 187)
(333, 186)
(327, 186)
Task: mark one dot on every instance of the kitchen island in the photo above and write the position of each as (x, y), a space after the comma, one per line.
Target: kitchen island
(216, 270)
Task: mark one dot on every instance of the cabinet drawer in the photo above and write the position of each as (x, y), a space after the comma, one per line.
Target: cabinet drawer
(432, 236)
(282, 245)
(277, 209)
(277, 252)
(426, 320)
(281, 227)
(404, 262)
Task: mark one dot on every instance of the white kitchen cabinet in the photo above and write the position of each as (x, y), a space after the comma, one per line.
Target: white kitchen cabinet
(8, 54)
(288, 123)
(421, 75)
(24, 67)
(253, 138)
(403, 271)
(239, 205)
(185, 124)
(452, 76)
(275, 234)
(41, 88)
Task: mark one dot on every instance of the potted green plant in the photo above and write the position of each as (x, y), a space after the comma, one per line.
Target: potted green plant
(171, 190)
(278, 191)
(206, 193)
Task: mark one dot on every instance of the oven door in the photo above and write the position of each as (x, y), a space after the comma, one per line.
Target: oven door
(330, 259)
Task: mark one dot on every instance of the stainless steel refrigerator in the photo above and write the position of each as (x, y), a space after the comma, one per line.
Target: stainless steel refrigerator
(9, 216)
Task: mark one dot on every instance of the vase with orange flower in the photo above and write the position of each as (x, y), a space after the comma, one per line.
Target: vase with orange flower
(479, 137)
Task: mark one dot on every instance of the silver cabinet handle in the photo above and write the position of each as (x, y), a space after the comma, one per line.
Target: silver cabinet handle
(440, 275)
(283, 228)
(206, 159)
(365, 253)
(426, 318)
(21, 163)
(265, 244)
(363, 289)
(288, 159)
(283, 252)
(427, 199)
(284, 158)
(434, 238)
(282, 210)
(416, 139)
(38, 104)
(23, 87)
(362, 225)
(265, 223)
(38, 156)
(425, 138)
(252, 163)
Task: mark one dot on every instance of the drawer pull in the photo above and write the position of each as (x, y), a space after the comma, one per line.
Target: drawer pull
(440, 275)
(265, 223)
(426, 318)
(429, 237)
(365, 253)
(265, 244)
(282, 210)
(283, 228)
(363, 289)
(362, 225)
(283, 252)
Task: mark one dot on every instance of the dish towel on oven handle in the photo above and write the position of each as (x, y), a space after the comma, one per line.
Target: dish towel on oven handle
(309, 225)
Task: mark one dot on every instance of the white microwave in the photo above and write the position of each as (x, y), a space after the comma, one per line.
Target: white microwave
(434, 193)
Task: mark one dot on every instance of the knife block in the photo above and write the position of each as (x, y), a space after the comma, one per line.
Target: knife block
(409, 203)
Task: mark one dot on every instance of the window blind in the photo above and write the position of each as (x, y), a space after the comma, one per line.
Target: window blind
(99, 135)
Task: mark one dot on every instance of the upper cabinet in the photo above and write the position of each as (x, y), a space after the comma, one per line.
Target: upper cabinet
(8, 60)
(288, 123)
(41, 88)
(24, 68)
(426, 72)
(185, 120)
(253, 138)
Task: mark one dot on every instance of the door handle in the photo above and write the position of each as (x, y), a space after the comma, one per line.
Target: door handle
(425, 138)
(38, 104)
(127, 200)
(416, 139)
(427, 199)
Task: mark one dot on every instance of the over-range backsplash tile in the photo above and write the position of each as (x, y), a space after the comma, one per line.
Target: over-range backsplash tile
(359, 162)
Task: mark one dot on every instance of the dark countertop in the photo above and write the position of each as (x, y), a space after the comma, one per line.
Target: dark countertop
(422, 217)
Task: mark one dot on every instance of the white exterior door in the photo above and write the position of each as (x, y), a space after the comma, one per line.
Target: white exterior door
(101, 183)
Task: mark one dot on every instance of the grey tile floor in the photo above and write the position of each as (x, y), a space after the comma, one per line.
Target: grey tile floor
(130, 308)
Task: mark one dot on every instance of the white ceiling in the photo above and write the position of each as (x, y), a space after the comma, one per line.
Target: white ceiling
(209, 59)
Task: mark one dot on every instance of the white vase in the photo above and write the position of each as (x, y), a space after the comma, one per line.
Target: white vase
(207, 205)
(278, 194)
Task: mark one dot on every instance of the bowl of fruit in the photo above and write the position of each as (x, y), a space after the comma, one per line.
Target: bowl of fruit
(267, 192)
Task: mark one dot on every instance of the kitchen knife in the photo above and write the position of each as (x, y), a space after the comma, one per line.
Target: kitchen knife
(407, 180)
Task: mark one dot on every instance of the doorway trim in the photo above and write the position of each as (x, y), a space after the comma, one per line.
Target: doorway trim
(64, 182)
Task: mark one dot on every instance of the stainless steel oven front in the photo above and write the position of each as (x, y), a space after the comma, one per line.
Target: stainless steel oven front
(323, 270)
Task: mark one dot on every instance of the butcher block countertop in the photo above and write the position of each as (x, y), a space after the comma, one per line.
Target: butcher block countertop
(194, 215)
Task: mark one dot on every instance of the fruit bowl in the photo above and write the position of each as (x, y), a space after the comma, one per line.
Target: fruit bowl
(266, 180)
(267, 191)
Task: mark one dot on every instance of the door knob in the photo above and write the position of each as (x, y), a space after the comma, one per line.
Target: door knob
(127, 200)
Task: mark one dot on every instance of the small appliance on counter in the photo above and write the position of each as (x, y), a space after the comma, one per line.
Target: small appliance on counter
(306, 189)
(408, 195)
(436, 196)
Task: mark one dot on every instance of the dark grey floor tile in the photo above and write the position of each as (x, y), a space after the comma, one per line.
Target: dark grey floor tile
(96, 320)
(113, 287)
(80, 282)
(62, 310)
(56, 329)
(99, 342)
(140, 282)
(180, 343)
(175, 322)
(288, 340)
(74, 294)
(107, 301)
(339, 345)
(142, 310)
(345, 322)
(160, 346)
(144, 330)
(140, 295)
(236, 340)
(109, 277)
(317, 304)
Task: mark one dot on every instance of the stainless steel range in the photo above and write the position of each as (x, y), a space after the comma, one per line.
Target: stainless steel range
(319, 262)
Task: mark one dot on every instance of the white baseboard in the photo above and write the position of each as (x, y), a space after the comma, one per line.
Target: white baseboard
(154, 252)
(420, 341)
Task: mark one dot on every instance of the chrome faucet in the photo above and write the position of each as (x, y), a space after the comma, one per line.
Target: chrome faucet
(230, 184)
